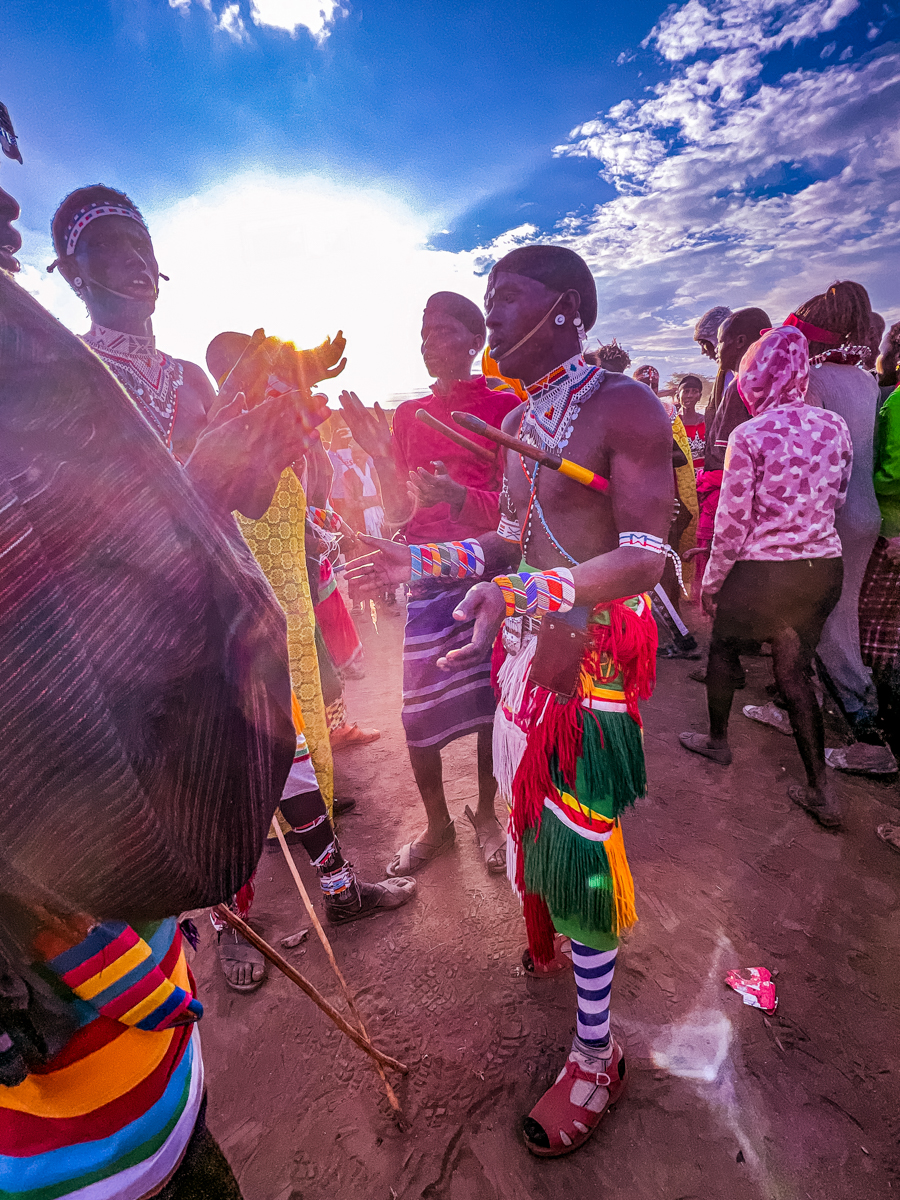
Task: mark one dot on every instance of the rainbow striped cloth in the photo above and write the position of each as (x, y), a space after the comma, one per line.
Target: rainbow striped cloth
(110, 1116)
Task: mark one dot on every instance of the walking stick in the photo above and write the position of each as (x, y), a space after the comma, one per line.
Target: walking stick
(461, 440)
(554, 462)
(317, 925)
(225, 914)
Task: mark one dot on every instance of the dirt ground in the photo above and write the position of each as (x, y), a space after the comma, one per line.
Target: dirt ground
(723, 1103)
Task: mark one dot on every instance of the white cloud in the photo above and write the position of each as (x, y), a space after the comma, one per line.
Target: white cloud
(231, 22)
(301, 256)
(734, 190)
(317, 16)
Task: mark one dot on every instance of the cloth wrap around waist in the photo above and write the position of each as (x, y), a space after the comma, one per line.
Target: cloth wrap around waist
(144, 687)
(568, 768)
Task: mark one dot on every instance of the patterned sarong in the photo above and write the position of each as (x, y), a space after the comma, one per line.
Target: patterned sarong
(879, 615)
(567, 770)
(438, 706)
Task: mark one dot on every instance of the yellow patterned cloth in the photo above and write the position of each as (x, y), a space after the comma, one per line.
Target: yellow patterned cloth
(277, 542)
(686, 482)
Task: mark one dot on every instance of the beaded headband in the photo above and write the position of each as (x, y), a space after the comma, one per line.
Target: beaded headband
(81, 219)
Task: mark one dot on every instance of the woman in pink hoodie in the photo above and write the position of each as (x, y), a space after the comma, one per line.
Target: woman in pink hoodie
(775, 567)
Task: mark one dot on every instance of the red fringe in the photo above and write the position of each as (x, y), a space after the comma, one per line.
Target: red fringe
(539, 927)
(557, 725)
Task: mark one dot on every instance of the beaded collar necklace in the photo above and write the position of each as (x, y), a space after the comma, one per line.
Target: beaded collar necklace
(555, 401)
(150, 378)
(548, 419)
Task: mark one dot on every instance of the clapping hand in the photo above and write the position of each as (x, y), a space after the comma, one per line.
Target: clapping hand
(483, 603)
(426, 489)
(370, 429)
(384, 566)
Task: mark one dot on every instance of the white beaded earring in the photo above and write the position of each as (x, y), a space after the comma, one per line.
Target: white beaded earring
(473, 353)
(559, 319)
(78, 281)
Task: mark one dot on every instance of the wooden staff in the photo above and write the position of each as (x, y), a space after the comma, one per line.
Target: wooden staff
(480, 451)
(351, 1003)
(225, 914)
(555, 462)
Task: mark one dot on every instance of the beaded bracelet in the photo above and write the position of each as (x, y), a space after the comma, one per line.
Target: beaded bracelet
(648, 541)
(447, 560)
(510, 530)
(538, 593)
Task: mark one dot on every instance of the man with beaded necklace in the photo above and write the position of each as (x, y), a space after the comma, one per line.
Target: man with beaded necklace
(579, 645)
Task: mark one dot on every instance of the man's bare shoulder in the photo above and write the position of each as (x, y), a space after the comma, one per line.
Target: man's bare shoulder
(628, 402)
(198, 381)
(512, 419)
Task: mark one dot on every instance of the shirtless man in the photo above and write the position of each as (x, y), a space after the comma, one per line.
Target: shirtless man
(590, 558)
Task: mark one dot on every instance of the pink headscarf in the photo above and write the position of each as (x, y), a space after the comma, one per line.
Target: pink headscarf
(774, 370)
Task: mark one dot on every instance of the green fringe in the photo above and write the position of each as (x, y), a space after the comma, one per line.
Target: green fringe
(573, 876)
(611, 771)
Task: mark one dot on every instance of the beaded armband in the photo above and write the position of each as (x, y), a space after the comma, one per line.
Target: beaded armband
(647, 541)
(447, 560)
(325, 518)
(539, 593)
(510, 530)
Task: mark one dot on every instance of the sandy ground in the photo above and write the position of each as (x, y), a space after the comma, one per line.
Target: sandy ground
(723, 1104)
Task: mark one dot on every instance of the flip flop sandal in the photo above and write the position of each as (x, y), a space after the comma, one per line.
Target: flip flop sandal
(490, 845)
(698, 743)
(409, 860)
(561, 961)
(556, 1126)
(373, 898)
(825, 812)
(233, 949)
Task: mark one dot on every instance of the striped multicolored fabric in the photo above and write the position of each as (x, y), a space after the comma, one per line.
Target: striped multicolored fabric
(114, 969)
(110, 1116)
(446, 560)
(535, 593)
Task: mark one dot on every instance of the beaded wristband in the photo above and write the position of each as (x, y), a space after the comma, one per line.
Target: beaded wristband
(647, 541)
(509, 530)
(325, 518)
(447, 560)
(538, 593)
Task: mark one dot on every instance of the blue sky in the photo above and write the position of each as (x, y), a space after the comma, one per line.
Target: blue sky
(307, 164)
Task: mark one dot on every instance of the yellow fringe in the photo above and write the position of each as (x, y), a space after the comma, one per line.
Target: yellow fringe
(623, 884)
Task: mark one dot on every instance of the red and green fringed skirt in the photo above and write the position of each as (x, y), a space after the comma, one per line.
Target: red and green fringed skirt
(568, 768)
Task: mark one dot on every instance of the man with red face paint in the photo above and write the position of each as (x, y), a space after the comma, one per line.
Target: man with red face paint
(570, 571)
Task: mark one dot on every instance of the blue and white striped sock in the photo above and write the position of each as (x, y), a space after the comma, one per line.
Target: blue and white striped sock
(593, 980)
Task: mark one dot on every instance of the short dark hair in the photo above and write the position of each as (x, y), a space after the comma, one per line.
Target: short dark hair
(612, 357)
(556, 268)
(690, 381)
(462, 309)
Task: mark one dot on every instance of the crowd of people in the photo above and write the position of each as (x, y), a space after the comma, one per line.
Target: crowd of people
(180, 564)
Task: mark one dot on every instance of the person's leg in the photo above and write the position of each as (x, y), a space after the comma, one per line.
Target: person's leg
(792, 664)
(594, 1074)
(723, 674)
(204, 1173)
(490, 832)
(346, 897)
(428, 770)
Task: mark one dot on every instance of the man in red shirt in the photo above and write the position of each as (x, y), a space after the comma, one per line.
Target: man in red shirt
(439, 492)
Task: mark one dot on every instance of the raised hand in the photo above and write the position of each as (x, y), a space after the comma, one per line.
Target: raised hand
(385, 565)
(484, 604)
(371, 430)
(239, 457)
(305, 368)
(426, 489)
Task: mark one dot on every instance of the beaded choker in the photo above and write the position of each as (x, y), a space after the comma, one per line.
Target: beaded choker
(844, 356)
(150, 378)
(555, 401)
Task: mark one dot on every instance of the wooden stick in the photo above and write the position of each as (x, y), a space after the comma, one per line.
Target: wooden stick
(480, 451)
(317, 925)
(554, 462)
(225, 914)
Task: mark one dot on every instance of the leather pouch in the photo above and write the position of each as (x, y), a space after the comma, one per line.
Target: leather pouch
(557, 657)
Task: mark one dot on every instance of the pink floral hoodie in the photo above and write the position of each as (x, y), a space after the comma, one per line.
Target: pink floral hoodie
(786, 469)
